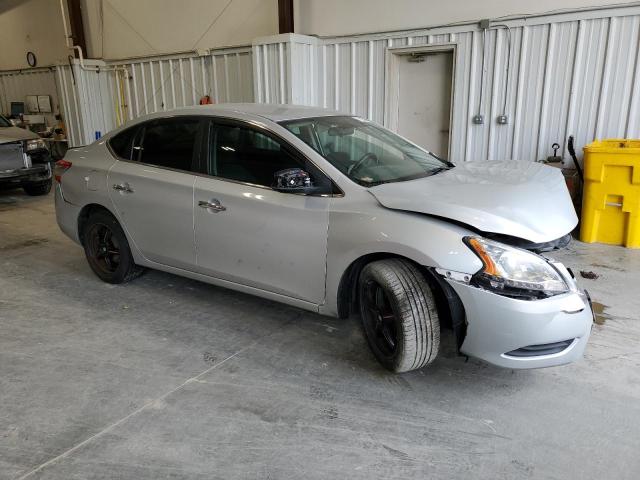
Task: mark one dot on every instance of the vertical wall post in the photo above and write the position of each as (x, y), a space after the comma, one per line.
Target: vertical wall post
(77, 27)
(285, 16)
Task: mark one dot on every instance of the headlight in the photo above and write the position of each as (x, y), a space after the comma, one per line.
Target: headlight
(36, 144)
(514, 272)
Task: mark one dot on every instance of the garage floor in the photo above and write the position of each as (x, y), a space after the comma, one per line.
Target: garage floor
(171, 378)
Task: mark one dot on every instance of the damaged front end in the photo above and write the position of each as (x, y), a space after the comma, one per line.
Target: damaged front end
(452, 307)
(557, 244)
(25, 161)
(521, 309)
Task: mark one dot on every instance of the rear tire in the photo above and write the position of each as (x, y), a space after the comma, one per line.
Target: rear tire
(37, 188)
(399, 315)
(107, 249)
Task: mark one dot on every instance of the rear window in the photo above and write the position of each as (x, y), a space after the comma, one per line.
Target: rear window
(122, 142)
(170, 143)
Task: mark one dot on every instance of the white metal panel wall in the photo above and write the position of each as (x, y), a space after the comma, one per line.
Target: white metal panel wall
(231, 78)
(121, 91)
(67, 87)
(156, 84)
(286, 69)
(571, 73)
(575, 73)
(272, 77)
(303, 68)
(16, 85)
(90, 100)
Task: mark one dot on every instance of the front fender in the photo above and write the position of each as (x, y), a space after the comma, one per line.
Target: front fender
(428, 241)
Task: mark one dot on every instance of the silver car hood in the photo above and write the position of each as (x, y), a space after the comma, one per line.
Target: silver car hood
(522, 199)
(15, 134)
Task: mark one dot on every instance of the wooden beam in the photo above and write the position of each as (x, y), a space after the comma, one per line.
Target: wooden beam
(285, 16)
(77, 27)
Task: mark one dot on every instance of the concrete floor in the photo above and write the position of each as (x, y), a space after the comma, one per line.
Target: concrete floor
(171, 378)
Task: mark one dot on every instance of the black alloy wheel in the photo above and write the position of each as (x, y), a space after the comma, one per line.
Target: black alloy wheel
(399, 314)
(378, 313)
(103, 248)
(107, 249)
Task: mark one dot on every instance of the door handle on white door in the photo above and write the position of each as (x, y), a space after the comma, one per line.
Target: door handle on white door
(213, 205)
(122, 187)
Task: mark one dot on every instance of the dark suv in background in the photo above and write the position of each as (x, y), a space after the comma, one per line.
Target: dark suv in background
(24, 159)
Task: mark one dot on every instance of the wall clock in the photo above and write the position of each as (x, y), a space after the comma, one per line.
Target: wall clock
(31, 59)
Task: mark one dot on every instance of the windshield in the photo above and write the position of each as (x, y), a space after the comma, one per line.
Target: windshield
(4, 122)
(367, 154)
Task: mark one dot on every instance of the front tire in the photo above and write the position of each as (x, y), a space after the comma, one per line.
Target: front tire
(37, 188)
(399, 315)
(107, 250)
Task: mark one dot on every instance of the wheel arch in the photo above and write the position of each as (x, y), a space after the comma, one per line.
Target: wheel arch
(450, 308)
(86, 212)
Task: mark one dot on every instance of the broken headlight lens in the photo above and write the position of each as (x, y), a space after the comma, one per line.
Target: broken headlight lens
(515, 272)
(37, 144)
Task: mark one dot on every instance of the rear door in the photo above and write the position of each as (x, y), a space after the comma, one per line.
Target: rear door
(248, 233)
(151, 186)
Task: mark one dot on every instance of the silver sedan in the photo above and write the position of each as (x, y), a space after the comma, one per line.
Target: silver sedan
(337, 215)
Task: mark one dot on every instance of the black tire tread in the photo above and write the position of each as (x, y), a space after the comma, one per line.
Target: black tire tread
(133, 273)
(37, 188)
(416, 306)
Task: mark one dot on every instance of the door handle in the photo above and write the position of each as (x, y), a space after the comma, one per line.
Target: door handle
(213, 205)
(122, 187)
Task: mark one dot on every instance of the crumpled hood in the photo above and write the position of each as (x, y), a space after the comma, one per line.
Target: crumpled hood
(522, 199)
(14, 134)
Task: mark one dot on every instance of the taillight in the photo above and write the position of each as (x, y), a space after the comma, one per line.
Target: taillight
(59, 168)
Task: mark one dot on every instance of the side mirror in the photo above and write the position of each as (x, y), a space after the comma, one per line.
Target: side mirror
(294, 180)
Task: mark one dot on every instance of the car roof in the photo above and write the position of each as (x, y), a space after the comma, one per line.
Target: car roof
(272, 111)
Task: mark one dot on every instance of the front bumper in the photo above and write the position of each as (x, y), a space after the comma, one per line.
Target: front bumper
(515, 333)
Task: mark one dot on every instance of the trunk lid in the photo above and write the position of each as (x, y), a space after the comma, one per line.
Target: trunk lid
(521, 199)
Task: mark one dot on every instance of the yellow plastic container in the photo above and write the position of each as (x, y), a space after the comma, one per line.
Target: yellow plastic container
(611, 197)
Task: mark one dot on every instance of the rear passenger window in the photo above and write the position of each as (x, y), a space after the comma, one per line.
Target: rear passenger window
(121, 143)
(246, 155)
(169, 143)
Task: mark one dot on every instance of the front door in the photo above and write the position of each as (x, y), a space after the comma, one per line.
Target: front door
(152, 189)
(248, 233)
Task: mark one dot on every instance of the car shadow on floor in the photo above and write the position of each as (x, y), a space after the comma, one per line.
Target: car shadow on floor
(340, 341)
(12, 198)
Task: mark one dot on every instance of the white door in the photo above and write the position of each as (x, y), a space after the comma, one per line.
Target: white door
(424, 100)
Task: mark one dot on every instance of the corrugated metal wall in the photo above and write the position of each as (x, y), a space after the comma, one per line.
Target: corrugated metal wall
(573, 73)
(570, 74)
(16, 85)
(171, 82)
(271, 79)
(121, 91)
(90, 102)
(286, 69)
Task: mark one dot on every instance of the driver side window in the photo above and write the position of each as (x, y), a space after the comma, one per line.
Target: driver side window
(245, 154)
